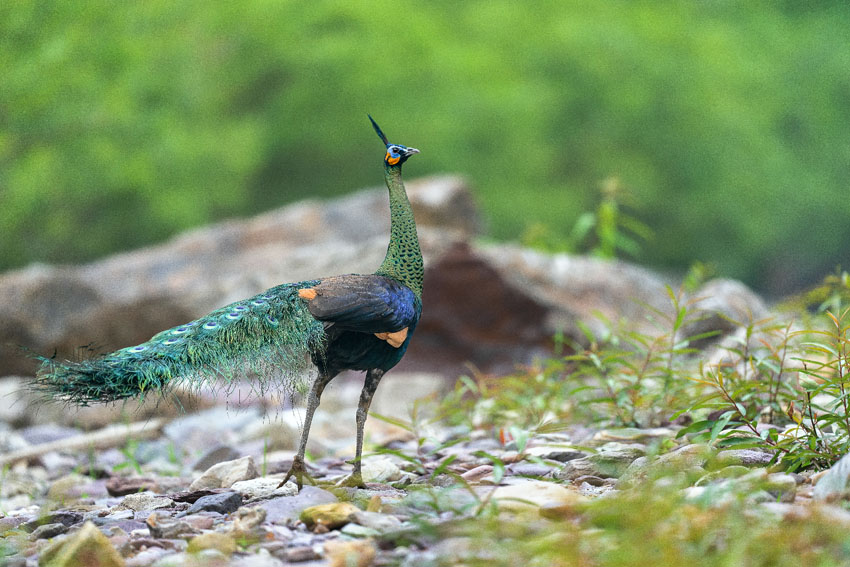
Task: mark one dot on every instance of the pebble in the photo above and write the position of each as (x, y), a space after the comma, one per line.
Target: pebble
(48, 531)
(299, 554)
(631, 435)
(834, 484)
(380, 470)
(223, 543)
(288, 508)
(350, 553)
(64, 517)
(223, 503)
(248, 522)
(744, 457)
(377, 521)
(555, 453)
(143, 501)
(88, 546)
(122, 486)
(223, 475)
(166, 528)
(331, 516)
(577, 468)
(261, 559)
(263, 487)
(533, 494)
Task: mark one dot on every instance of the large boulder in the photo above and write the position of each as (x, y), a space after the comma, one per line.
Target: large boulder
(492, 305)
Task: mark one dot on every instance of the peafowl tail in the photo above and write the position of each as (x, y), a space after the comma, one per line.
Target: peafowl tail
(271, 334)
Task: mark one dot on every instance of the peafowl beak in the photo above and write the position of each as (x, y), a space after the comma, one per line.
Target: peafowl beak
(411, 151)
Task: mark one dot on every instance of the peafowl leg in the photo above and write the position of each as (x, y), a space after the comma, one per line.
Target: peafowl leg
(298, 469)
(373, 378)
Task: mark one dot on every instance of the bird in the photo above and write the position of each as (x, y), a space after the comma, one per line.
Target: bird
(346, 322)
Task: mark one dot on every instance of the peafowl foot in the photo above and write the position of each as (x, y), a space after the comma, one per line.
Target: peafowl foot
(354, 480)
(299, 472)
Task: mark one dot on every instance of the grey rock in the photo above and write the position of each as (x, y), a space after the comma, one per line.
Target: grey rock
(122, 486)
(183, 559)
(578, 468)
(210, 427)
(732, 471)
(720, 306)
(299, 554)
(64, 517)
(168, 528)
(216, 455)
(10, 440)
(529, 469)
(630, 435)
(47, 432)
(378, 522)
(223, 503)
(380, 470)
(554, 453)
(263, 487)
(223, 475)
(156, 288)
(144, 501)
(47, 531)
(261, 559)
(686, 462)
(744, 457)
(613, 458)
(358, 531)
(289, 508)
(147, 557)
(781, 486)
(835, 484)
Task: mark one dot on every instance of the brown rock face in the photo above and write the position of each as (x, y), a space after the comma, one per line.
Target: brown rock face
(472, 314)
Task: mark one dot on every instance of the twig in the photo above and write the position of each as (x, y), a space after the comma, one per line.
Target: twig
(110, 436)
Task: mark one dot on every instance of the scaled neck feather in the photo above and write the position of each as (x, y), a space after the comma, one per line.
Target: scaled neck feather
(403, 261)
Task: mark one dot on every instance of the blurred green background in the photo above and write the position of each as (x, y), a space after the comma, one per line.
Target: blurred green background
(121, 124)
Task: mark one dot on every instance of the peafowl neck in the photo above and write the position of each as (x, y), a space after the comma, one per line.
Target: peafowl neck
(404, 259)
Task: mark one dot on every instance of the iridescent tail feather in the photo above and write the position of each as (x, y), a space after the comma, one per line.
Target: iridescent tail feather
(271, 333)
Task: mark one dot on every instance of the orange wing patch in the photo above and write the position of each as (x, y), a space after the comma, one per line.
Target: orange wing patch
(394, 339)
(307, 293)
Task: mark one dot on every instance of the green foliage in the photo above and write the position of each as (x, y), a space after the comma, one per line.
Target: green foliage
(130, 460)
(607, 232)
(654, 526)
(726, 120)
(769, 385)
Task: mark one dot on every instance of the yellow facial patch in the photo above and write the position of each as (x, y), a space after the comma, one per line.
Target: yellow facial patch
(392, 160)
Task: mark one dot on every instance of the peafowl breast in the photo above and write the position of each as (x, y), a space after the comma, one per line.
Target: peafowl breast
(347, 322)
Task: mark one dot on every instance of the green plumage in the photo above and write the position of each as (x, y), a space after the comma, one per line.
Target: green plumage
(403, 261)
(271, 333)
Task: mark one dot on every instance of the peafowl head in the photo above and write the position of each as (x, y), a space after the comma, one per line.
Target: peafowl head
(396, 153)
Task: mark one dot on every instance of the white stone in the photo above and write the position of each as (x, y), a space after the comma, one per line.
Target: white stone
(264, 487)
(144, 501)
(380, 469)
(223, 475)
(533, 494)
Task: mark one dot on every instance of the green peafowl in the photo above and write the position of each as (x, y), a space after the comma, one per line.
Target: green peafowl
(348, 322)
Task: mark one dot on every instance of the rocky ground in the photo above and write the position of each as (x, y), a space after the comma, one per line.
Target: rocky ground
(193, 479)
(202, 488)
